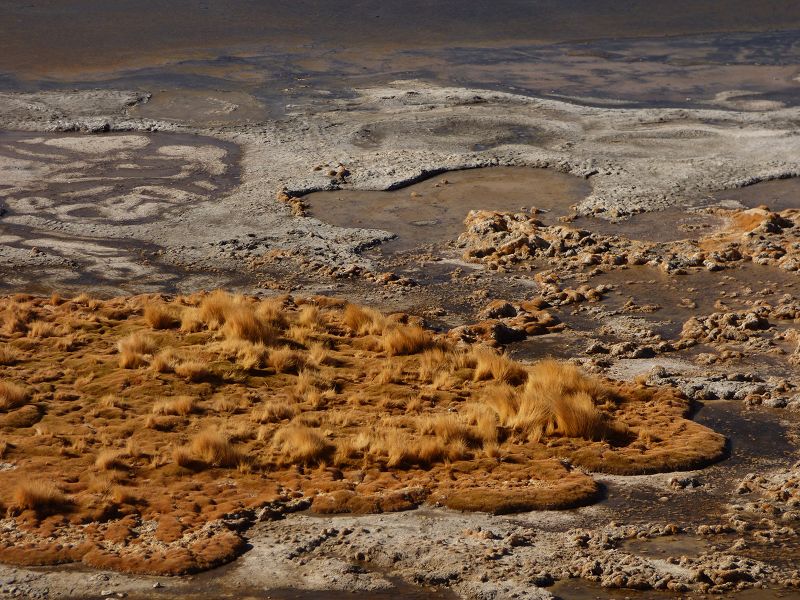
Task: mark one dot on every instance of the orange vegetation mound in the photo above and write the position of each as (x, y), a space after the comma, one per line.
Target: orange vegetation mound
(142, 433)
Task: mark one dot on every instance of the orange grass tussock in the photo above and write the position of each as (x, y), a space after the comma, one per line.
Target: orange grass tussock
(12, 395)
(42, 497)
(254, 401)
(159, 316)
(215, 449)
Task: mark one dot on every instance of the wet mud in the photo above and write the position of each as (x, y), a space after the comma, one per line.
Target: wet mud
(117, 179)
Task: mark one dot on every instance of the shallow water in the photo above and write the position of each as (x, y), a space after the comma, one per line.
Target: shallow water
(778, 194)
(246, 60)
(676, 298)
(758, 442)
(579, 589)
(212, 592)
(660, 226)
(104, 35)
(662, 547)
(433, 210)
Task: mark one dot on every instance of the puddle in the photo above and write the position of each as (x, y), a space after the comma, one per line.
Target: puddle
(220, 592)
(553, 345)
(778, 194)
(758, 442)
(679, 297)
(661, 226)
(662, 547)
(218, 584)
(431, 211)
(579, 589)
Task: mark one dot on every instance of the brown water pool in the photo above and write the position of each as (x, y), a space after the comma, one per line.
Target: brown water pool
(433, 211)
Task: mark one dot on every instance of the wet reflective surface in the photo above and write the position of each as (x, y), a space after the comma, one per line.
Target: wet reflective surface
(579, 589)
(242, 60)
(90, 34)
(779, 194)
(433, 210)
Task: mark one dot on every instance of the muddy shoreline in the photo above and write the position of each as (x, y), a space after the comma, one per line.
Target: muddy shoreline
(248, 225)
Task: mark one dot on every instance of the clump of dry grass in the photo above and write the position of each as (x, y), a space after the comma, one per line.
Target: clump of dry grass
(180, 406)
(301, 444)
(67, 343)
(135, 349)
(491, 365)
(123, 495)
(319, 355)
(310, 317)
(271, 311)
(402, 450)
(9, 355)
(215, 307)
(182, 457)
(165, 361)
(433, 362)
(449, 428)
(110, 401)
(16, 318)
(390, 372)
(286, 360)
(301, 335)
(161, 423)
(41, 329)
(307, 381)
(214, 448)
(132, 448)
(193, 370)
(191, 322)
(40, 496)
(4, 446)
(242, 323)
(12, 395)
(363, 321)
(158, 316)
(107, 460)
(83, 298)
(406, 339)
(483, 422)
(557, 400)
(273, 412)
(246, 354)
(78, 445)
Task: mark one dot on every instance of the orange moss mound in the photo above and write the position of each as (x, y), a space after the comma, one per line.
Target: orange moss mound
(154, 419)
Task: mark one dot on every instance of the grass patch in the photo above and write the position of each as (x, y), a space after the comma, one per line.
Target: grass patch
(12, 395)
(233, 390)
